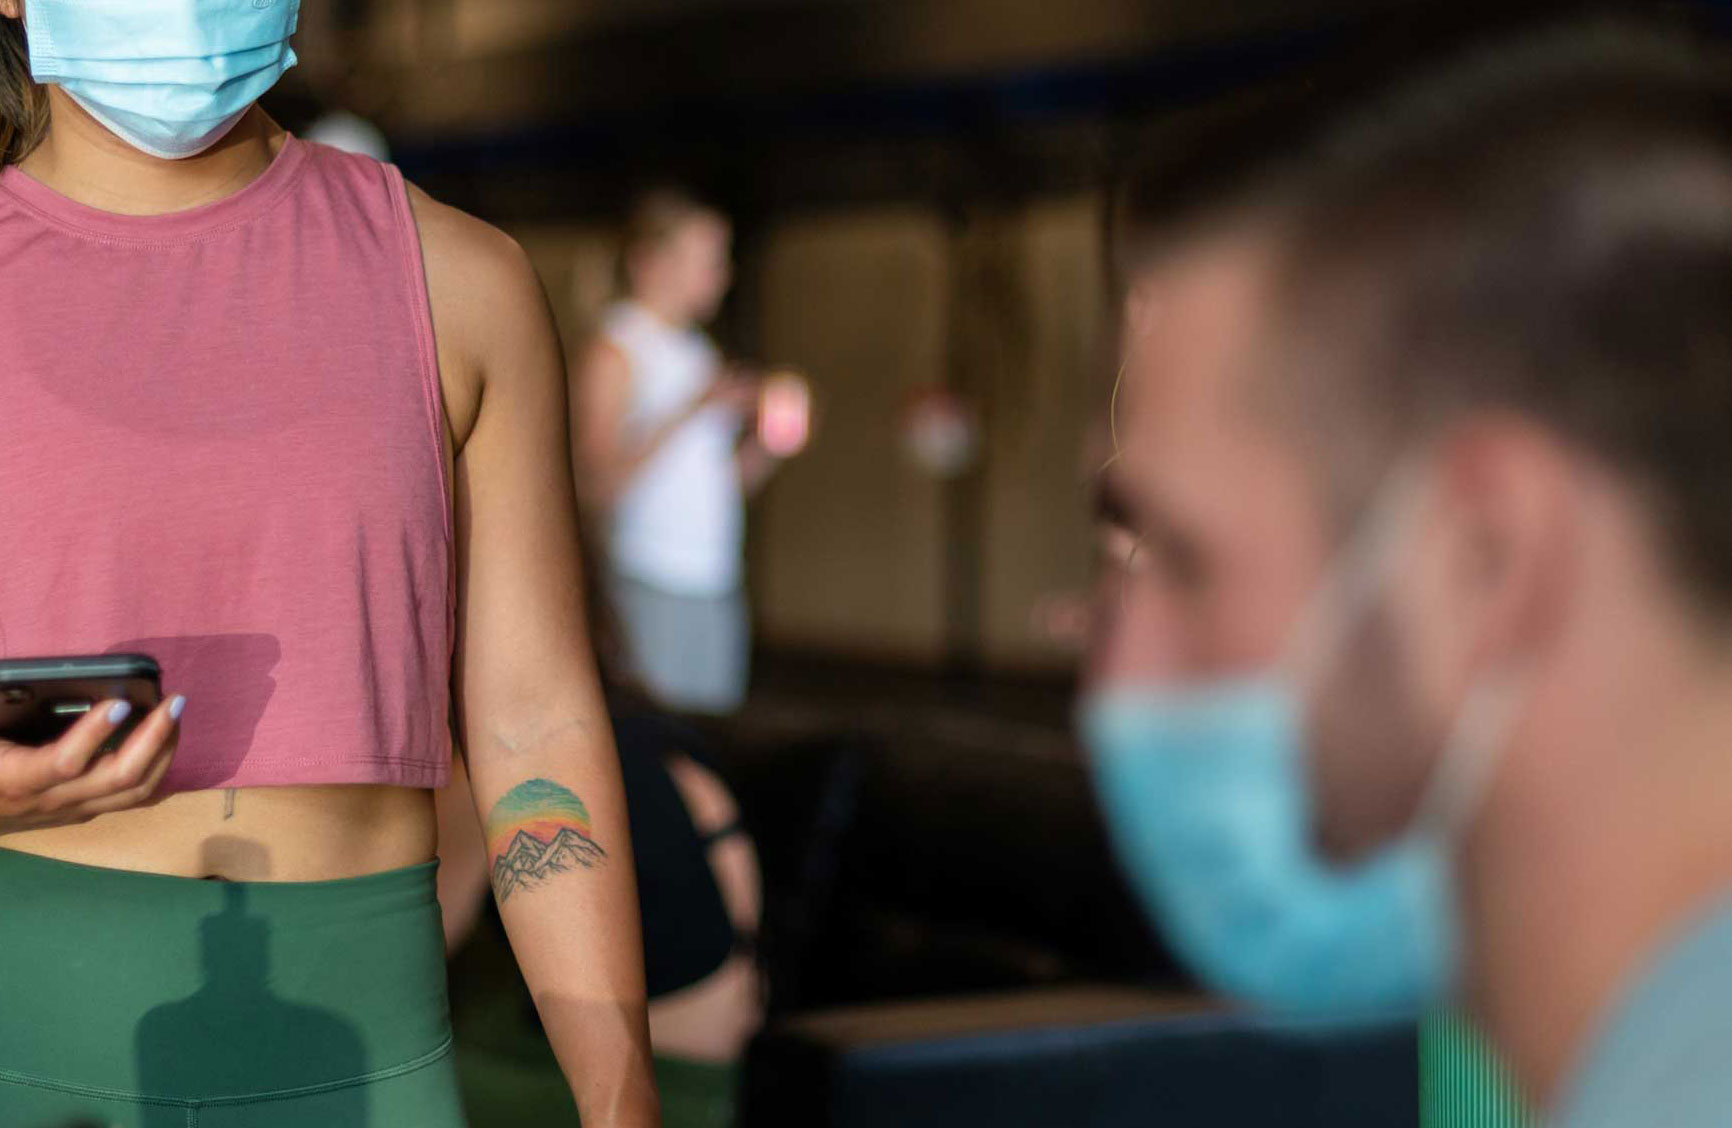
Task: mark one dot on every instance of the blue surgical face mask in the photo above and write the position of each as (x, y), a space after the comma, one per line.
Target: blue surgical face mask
(169, 77)
(1203, 788)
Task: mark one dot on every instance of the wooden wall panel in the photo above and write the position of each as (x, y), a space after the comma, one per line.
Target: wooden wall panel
(848, 541)
(1038, 532)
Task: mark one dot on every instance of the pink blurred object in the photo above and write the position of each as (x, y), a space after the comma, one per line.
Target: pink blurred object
(785, 413)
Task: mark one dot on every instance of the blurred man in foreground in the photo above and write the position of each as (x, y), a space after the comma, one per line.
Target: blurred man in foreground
(1416, 679)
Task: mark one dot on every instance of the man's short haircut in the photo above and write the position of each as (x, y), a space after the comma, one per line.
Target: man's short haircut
(1210, 163)
(1213, 162)
(1543, 228)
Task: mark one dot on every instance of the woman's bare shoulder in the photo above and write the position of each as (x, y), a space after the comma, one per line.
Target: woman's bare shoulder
(489, 308)
(472, 262)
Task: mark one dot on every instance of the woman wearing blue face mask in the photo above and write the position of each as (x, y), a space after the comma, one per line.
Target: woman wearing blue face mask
(298, 432)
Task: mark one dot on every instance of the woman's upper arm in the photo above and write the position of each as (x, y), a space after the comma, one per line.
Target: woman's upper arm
(524, 670)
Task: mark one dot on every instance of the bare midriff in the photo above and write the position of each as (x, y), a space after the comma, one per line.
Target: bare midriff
(257, 834)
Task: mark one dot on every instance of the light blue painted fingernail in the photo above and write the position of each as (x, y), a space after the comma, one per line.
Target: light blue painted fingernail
(118, 712)
(176, 706)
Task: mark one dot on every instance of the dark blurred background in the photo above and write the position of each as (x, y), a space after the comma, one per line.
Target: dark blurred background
(917, 191)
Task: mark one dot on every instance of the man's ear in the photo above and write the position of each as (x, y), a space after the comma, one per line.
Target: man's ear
(12, 9)
(1513, 488)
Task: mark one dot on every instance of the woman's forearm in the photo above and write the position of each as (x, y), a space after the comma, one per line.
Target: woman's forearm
(559, 858)
(756, 465)
(603, 1049)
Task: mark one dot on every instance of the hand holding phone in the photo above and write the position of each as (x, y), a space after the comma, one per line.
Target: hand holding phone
(59, 719)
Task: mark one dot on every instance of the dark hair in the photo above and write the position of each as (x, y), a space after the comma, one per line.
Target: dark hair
(1211, 162)
(23, 104)
(1545, 228)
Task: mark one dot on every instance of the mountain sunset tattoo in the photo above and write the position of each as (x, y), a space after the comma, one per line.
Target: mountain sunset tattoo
(536, 830)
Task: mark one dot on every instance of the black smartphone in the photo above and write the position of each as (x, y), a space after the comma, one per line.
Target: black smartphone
(40, 698)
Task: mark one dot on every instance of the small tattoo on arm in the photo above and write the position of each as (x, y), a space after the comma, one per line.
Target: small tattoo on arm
(537, 830)
(229, 803)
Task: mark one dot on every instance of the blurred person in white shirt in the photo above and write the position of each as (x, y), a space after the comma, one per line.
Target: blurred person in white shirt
(665, 457)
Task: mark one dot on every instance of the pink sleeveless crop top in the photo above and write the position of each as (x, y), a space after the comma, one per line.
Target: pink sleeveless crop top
(221, 444)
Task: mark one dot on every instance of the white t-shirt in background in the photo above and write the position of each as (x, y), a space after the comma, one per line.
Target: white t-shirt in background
(680, 524)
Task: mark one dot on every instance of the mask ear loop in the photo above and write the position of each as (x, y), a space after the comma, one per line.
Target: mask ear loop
(1456, 791)
(1354, 574)
(1458, 783)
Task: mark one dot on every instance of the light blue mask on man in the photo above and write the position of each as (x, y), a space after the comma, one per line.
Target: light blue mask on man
(1204, 792)
(169, 77)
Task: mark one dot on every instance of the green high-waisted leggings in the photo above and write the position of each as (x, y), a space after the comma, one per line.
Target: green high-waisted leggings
(142, 1001)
